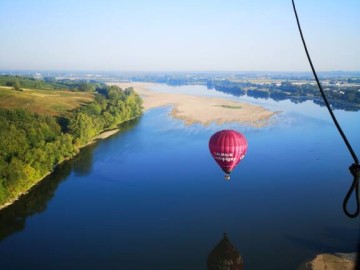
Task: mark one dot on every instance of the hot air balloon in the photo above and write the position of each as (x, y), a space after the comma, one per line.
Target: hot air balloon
(228, 147)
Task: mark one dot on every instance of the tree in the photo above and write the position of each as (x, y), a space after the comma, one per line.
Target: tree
(17, 85)
(82, 128)
(86, 87)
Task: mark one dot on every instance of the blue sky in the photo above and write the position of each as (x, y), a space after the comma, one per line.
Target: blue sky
(186, 35)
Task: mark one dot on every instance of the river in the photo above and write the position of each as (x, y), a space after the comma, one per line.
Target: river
(152, 197)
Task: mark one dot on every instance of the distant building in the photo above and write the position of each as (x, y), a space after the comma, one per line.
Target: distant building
(38, 76)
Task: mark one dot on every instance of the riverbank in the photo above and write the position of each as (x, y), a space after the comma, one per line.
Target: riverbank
(41, 143)
(101, 136)
(204, 110)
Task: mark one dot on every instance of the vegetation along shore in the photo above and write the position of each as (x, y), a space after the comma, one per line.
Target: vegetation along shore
(46, 122)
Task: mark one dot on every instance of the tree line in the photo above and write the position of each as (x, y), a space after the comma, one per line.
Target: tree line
(32, 145)
(48, 83)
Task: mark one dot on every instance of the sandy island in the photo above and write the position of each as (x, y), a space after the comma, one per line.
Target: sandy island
(205, 110)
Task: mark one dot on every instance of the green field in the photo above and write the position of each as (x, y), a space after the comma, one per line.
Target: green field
(50, 102)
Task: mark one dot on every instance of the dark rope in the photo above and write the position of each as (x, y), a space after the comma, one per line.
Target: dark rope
(354, 168)
(355, 171)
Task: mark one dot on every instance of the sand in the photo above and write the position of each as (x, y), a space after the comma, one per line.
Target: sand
(204, 110)
(336, 261)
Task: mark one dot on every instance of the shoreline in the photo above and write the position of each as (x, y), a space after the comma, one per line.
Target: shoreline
(192, 109)
(101, 136)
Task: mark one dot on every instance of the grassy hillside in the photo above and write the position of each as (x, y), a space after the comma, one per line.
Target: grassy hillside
(48, 83)
(50, 102)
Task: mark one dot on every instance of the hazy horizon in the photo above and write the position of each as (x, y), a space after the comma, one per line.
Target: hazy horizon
(19, 71)
(186, 36)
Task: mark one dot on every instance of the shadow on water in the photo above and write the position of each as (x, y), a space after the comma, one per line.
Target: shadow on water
(82, 164)
(13, 218)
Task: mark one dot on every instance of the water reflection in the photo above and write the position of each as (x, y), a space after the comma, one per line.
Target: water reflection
(224, 256)
(338, 105)
(13, 218)
(280, 96)
(82, 163)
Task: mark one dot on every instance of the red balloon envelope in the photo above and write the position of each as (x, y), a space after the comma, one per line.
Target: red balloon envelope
(228, 147)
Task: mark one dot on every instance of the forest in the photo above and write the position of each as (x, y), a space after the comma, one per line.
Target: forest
(32, 145)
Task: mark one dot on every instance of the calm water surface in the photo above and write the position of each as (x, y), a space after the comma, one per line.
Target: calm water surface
(151, 197)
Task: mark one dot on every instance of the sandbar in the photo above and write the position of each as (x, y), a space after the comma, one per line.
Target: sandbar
(106, 134)
(204, 110)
